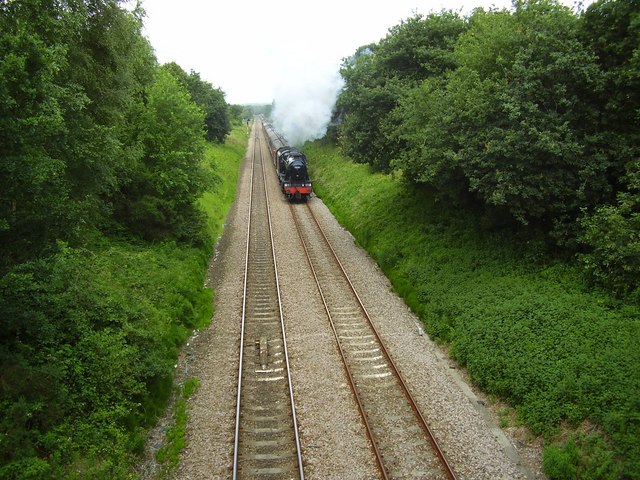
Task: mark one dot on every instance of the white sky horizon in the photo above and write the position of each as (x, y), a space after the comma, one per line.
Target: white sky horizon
(228, 42)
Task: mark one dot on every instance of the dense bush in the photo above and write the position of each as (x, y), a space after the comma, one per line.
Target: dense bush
(210, 100)
(159, 200)
(89, 341)
(378, 76)
(511, 111)
(70, 78)
(613, 234)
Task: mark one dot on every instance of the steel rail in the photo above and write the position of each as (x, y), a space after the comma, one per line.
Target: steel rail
(242, 323)
(282, 326)
(352, 382)
(425, 427)
(257, 149)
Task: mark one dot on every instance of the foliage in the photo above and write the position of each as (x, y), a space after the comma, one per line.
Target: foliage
(257, 109)
(581, 455)
(520, 82)
(223, 161)
(528, 116)
(210, 100)
(612, 30)
(70, 77)
(520, 322)
(377, 76)
(237, 114)
(159, 202)
(88, 340)
(87, 352)
(96, 143)
(613, 234)
(610, 229)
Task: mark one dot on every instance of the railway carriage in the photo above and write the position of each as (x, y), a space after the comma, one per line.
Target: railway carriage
(290, 165)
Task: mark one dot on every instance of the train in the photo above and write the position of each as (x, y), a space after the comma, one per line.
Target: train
(290, 164)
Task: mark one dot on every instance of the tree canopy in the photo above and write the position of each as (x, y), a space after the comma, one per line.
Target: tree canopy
(529, 115)
(210, 100)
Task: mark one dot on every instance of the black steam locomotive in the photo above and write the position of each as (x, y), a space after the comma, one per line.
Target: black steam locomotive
(290, 164)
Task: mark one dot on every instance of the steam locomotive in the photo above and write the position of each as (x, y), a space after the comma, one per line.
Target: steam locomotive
(290, 164)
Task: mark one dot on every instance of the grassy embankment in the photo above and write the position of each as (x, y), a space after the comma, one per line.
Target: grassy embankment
(103, 326)
(524, 326)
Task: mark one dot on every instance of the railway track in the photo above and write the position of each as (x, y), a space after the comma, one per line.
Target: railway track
(267, 444)
(401, 440)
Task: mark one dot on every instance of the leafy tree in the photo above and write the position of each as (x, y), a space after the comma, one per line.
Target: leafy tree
(516, 115)
(89, 128)
(238, 113)
(421, 47)
(378, 76)
(613, 234)
(425, 125)
(159, 201)
(363, 106)
(32, 108)
(71, 73)
(113, 64)
(612, 29)
(210, 100)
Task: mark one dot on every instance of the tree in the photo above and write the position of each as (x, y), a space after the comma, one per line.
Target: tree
(32, 109)
(239, 113)
(610, 228)
(517, 115)
(378, 76)
(210, 100)
(159, 201)
(71, 73)
(612, 29)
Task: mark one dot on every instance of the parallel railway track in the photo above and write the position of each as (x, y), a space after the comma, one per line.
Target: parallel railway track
(267, 444)
(401, 440)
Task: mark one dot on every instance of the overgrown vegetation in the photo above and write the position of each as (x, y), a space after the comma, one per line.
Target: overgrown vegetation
(524, 326)
(90, 337)
(110, 201)
(169, 454)
(529, 116)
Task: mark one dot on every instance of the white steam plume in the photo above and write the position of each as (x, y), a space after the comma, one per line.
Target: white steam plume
(304, 100)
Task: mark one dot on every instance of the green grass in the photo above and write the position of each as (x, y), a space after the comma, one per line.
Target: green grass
(524, 325)
(225, 163)
(169, 454)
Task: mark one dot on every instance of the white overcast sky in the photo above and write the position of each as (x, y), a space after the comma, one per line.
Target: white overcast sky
(251, 48)
(248, 47)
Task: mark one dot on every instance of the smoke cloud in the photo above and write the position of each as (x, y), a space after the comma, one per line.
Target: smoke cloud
(304, 100)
